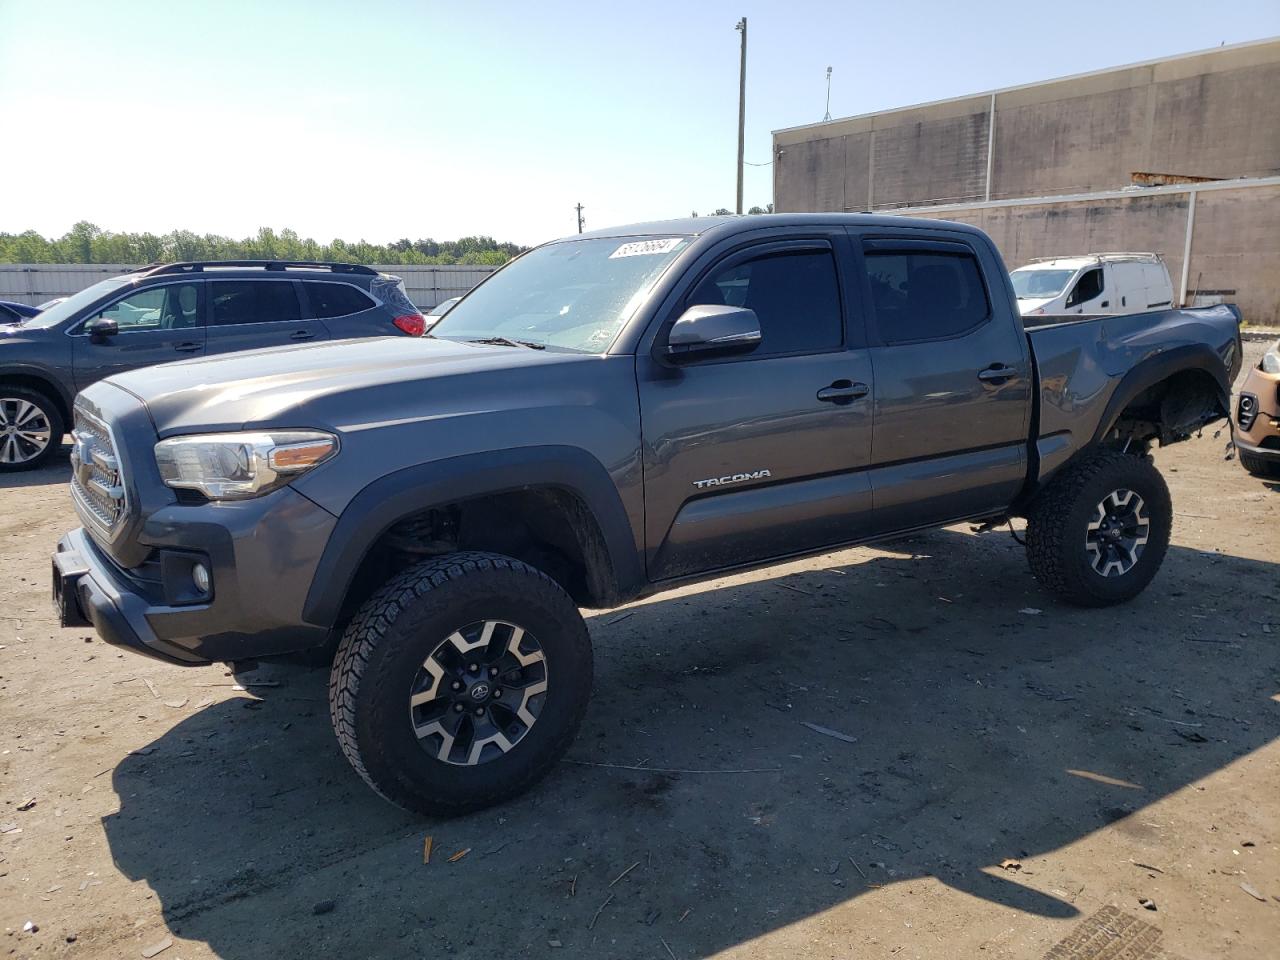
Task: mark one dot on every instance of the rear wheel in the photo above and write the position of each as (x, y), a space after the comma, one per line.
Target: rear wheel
(1260, 466)
(30, 428)
(1099, 532)
(460, 683)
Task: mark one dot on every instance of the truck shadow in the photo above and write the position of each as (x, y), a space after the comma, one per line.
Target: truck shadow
(982, 733)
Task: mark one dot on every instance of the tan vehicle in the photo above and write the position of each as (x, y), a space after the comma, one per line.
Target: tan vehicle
(1258, 417)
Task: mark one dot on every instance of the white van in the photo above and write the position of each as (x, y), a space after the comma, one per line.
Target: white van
(1096, 284)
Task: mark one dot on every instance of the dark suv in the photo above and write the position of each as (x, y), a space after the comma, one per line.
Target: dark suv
(176, 311)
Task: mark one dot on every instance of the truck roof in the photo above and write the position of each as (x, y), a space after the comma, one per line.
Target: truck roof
(729, 225)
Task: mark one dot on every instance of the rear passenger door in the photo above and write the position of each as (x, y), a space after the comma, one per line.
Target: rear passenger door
(249, 313)
(952, 378)
(344, 309)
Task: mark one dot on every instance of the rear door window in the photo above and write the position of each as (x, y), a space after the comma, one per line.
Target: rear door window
(925, 294)
(254, 301)
(335, 299)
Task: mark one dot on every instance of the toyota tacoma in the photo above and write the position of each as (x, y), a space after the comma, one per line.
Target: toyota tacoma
(609, 416)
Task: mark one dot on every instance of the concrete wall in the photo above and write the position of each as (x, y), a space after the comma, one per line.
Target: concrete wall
(1235, 249)
(1212, 114)
(37, 282)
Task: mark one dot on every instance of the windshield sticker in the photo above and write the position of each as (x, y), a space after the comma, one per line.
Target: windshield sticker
(641, 248)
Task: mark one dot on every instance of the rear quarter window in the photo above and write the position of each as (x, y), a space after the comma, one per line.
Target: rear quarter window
(335, 299)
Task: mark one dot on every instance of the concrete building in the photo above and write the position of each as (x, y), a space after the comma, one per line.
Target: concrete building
(1180, 156)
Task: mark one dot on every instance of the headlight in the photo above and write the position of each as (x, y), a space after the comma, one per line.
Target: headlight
(237, 466)
(1271, 361)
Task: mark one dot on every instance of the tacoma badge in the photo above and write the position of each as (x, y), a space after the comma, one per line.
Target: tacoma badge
(734, 478)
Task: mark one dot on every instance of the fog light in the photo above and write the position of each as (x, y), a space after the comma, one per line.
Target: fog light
(200, 577)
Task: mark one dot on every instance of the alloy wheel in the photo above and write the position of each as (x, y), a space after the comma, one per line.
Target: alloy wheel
(1117, 533)
(478, 693)
(25, 431)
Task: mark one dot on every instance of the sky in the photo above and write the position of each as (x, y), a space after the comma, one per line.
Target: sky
(382, 119)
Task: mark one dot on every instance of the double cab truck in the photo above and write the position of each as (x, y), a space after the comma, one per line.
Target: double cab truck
(609, 416)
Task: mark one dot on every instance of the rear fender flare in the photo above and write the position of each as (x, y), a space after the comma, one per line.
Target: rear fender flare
(1156, 369)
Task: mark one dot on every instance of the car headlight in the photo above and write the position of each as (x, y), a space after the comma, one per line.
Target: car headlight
(1271, 361)
(237, 466)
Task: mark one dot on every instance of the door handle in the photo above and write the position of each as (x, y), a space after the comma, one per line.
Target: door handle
(302, 335)
(187, 346)
(1105, 303)
(997, 373)
(843, 391)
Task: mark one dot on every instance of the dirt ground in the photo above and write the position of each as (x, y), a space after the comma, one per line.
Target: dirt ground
(1113, 756)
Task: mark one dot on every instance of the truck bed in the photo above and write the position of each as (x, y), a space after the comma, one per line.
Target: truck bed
(1081, 362)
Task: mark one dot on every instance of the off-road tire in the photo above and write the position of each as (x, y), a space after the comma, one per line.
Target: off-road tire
(1058, 520)
(49, 410)
(1259, 466)
(386, 644)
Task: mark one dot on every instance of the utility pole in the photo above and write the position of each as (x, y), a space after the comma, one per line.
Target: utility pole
(579, 209)
(826, 117)
(742, 105)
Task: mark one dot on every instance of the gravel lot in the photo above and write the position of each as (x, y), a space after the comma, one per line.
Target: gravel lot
(1107, 757)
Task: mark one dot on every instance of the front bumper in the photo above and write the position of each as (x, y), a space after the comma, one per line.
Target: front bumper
(261, 555)
(85, 593)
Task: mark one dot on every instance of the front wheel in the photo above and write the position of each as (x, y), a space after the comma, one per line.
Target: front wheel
(460, 683)
(1099, 532)
(30, 428)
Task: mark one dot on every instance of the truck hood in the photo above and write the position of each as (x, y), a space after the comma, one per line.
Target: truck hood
(325, 385)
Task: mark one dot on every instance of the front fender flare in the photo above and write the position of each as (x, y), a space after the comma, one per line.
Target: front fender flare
(377, 507)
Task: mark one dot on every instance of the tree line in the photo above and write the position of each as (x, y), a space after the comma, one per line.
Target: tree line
(88, 243)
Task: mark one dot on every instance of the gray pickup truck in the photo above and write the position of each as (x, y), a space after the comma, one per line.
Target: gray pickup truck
(609, 416)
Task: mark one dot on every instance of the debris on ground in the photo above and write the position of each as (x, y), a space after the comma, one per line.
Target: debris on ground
(1031, 611)
(1014, 865)
(1147, 904)
(599, 910)
(460, 854)
(426, 850)
(30, 927)
(828, 732)
(324, 906)
(157, 948)
(554, 943)
(27, 804)
(1252, 891)
(624, 873)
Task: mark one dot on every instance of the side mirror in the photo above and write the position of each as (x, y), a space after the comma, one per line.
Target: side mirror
(713, 330)
(101, 329)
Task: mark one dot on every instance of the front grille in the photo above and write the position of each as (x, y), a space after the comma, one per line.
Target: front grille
(97, 483)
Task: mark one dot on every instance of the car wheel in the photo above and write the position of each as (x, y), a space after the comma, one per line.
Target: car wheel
(1259, 466)
(30, 428)
(1099, 532)
(460, 683)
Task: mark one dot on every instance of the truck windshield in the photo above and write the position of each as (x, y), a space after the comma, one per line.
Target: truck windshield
(60, 311)
(573, 296)
(1031, 283)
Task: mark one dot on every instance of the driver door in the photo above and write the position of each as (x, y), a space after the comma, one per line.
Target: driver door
(156, 325)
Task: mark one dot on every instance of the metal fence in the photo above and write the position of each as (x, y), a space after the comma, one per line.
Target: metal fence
(35, 283)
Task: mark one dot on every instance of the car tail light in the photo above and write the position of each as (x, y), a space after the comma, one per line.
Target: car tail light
(414, 324)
